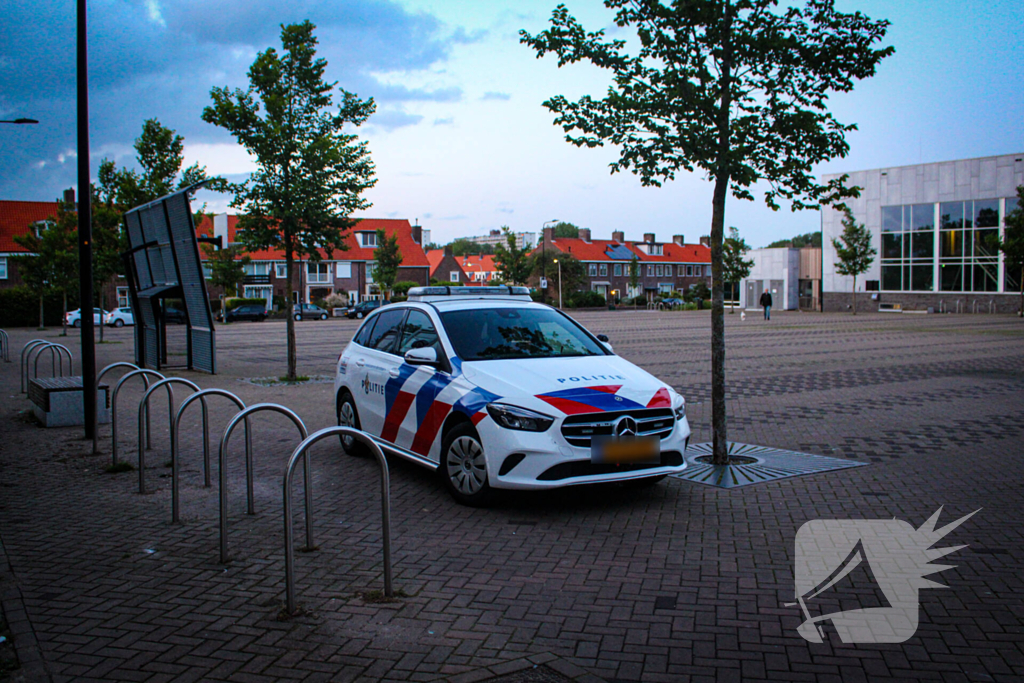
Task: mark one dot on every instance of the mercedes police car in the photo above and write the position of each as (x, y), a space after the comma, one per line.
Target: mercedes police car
(496, 391)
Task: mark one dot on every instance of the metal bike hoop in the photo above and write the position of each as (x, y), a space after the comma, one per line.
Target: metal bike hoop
(223, 474)
(99, 378)
(144, 412)
(385, 493)
(175, 460)
(5, 346)
(57, 353)
(113, 405)
(23, 368)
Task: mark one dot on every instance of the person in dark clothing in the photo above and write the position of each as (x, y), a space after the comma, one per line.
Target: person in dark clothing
(766, 302)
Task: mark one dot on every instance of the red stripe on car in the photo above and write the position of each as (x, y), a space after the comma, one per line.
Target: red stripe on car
(431, 425)
(568, 406)
(660, 399)
(395, 416)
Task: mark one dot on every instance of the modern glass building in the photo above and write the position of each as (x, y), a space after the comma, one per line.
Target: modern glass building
(935, 227)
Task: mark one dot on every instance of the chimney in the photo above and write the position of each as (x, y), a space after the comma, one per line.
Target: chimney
(706, 240)
(649, 237)
(220, 228)
(417, 234)
(619, 236)
(678, 239)
(549, 235)
(585, 234)
(69, 196)
(447, 250)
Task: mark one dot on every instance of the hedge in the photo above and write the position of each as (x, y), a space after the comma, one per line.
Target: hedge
(232, 304)
(19, 307)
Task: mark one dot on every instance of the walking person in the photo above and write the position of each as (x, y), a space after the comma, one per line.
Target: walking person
(766, 302)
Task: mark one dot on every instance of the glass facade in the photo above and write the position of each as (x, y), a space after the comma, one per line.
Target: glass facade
(958, 241)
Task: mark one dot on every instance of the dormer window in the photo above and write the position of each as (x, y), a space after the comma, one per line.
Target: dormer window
(367, 239)
(654, 249)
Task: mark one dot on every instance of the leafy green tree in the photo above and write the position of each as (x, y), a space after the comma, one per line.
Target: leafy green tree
(514, 264)
(387, 258)
(54, 266)
(227, 266)
(734, 266)
(310, 174)
(108, 243)
(1012, 244)
(574, 272)
(854, 251)
(733, 88)
(465, 247)
(565, 230)
(634, 277)
(810, 239)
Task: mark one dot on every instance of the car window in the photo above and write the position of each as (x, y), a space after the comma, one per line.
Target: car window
(363, 335)
(506, 332)
(385, 332)
(418, 332)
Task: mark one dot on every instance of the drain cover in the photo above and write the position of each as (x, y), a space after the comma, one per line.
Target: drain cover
(754, 464)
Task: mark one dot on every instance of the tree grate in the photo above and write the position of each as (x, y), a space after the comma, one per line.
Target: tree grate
(768, 464)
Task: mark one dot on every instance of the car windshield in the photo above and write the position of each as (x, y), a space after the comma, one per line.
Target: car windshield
(503, 333)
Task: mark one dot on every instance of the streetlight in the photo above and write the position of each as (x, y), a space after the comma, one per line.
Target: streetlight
(559, 284)
(543, 257)
(21, 121)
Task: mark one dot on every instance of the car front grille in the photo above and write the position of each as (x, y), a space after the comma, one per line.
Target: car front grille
(578, 430)
(585, 468)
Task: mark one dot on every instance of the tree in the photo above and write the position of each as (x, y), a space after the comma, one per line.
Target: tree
(466, 247)
(854, 250)
(227, 267)
(387, 259)
(310, 174)
(108, 243)
(634, 276)
(565, 230)
(1012, 244)
(574, 272)
(514, 264)
(729, 87)
(54, 267)
(734, 266)
(810, 239)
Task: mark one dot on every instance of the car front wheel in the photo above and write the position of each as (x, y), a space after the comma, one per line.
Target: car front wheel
(348, 416)
(298, 316)
(323, 316)
(464, 466)
(359, 315)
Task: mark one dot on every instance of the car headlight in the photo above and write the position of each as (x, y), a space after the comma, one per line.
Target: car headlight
(678, 406)
(514, 417)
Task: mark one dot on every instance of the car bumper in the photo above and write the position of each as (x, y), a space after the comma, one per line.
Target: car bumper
(545, 460)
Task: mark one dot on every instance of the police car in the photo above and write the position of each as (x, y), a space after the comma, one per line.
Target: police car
(496, 391)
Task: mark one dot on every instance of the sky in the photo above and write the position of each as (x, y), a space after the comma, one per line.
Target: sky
(460, 140)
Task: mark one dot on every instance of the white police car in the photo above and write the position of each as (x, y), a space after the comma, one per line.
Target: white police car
(496, 391)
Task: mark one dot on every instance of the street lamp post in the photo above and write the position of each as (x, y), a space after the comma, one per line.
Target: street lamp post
(559, 285)
(543, 257)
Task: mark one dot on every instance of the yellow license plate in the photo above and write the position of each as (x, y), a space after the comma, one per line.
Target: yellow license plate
(639, 451)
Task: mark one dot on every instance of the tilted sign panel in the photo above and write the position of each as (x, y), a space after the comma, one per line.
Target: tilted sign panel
(136, 239)
(193, 282)
(154, 228)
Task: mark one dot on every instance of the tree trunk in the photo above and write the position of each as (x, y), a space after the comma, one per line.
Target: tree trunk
(1021, 312)
(100, 297)
(64, 318)
(41, 320)
(289, 259)
(720, 453)
(854, 295)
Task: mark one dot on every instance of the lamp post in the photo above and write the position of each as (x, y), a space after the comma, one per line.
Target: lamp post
(543, 257)
(559, 283)
(20, 121)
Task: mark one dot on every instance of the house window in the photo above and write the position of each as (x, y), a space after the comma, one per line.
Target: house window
(344, 269)
(367, 239)
(655, 250)
(660, 270)
(122, 297)
(618, 269)
(650, 270)
(593, 270)
(207, 270)
(604, 270)
(281, 270)
(369, 271)
(3, 267)
(689, 271)
(453, 276)
(668, 271)
(318, 273)
(707, 270)
(256, 268)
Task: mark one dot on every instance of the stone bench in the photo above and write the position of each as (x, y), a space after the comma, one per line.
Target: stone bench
(57, 401)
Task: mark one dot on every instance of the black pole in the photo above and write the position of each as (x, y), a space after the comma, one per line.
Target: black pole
(85, 233)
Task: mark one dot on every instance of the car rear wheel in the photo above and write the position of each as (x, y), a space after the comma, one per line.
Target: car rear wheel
(118, 323)
(348, 416)
(298, 316)
(323, 316)
(359, 315)
(77, 323)
(464, 467)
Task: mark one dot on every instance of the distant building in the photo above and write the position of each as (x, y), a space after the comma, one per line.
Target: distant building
(445, 267)
(792, 275)
(524, 240)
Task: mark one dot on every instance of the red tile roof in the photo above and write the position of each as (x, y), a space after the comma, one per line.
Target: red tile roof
(434, 257)
(595, 250)
(15, 219)
(412, 253)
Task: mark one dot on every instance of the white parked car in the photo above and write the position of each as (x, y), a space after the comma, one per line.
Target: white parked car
(74, 318)
(119, 317)
(496, 391)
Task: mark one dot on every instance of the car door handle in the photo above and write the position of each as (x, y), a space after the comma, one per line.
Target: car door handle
(393, 372)
(360, 362)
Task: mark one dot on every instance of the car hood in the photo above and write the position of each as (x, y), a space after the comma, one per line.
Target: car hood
(570, 386)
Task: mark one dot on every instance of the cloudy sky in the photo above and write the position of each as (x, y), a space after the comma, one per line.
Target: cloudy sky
(460, 139)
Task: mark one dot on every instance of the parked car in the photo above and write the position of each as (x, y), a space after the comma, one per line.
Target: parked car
(119, 317)
(361, 310)
(74, 318)
(495, 391)
(672, 301)
(309, 312)
(174, 315)
(254, 312)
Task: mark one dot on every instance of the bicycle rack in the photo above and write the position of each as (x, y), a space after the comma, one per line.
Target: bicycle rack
(5, 346)
(385, 493)
(113, 406)
(57, 353)
(223, 474)
(144, 412)
(201, 395)
(99, 378)
(23, 370)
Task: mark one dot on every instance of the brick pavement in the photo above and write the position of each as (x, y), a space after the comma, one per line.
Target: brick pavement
(676, 583)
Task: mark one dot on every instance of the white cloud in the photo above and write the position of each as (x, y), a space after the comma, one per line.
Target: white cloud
(155, 15)
(220, 158)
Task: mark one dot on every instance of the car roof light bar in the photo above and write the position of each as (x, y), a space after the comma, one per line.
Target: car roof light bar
(443, 291)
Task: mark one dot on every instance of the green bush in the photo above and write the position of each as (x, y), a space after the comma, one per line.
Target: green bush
(235, 302)
(586, 300)
(640, 300)
(398, 298)
(19, 307)
(402, 287)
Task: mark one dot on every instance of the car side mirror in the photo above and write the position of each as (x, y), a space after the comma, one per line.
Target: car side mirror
(602, 337)
(424, 356)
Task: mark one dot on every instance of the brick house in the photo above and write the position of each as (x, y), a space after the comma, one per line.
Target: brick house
(444, 267)
(664, 266)
(480, 269)
(349, 271)
(18, 218)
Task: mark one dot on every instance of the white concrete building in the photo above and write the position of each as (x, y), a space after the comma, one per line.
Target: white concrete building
(793, 275)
